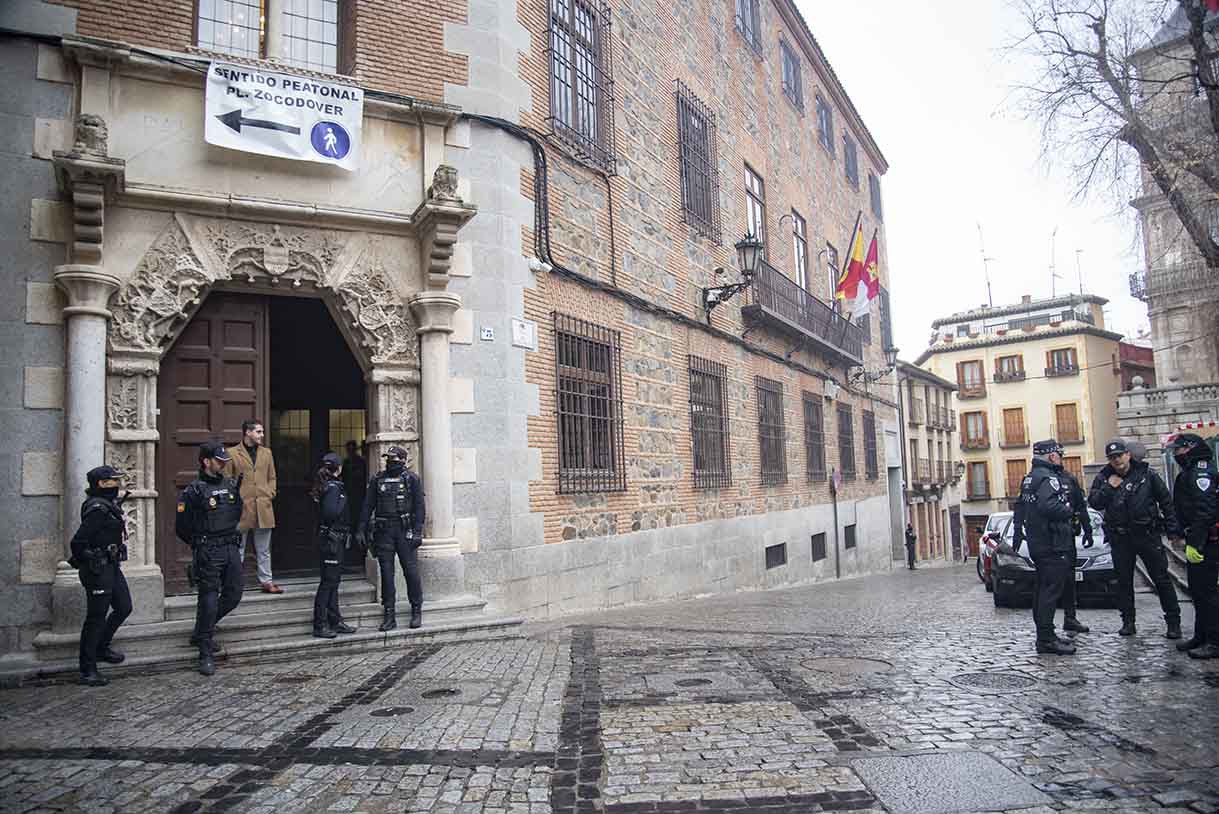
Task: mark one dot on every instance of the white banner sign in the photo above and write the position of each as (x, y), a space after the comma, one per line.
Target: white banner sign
(278, 114)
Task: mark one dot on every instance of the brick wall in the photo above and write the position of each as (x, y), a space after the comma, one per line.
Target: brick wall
(658, 257)
(390, 45)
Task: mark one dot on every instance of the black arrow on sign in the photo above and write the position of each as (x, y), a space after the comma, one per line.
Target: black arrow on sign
(236, 121)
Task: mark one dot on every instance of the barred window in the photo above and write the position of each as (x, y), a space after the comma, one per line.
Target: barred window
(772, 439)
(814, 437)
(309, 30)
(588, 398)
(709, 423)
(825, 124)
(700, 175)
(846, 443)
(311, 36)
(581, 83)
(749, 22)
(874, 195)
(231, 27)
(850, 159)
(871, 465)
(791, 75)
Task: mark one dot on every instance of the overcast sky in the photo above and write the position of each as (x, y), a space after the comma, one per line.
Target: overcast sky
(931, 82)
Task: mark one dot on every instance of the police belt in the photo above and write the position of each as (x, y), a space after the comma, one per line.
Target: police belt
(1133, 527)
(233, 537)
(404, 519)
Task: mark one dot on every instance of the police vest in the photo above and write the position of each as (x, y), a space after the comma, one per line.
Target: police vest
(220, 507)
(393, 496)
(114, 529)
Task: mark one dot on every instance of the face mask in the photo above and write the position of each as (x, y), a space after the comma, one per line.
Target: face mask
(109, 494)
(395, 466)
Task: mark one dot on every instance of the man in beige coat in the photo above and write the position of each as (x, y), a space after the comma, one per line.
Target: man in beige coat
(255, 464)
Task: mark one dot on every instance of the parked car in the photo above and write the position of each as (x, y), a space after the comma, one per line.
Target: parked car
(1014, 576)
(995, 524)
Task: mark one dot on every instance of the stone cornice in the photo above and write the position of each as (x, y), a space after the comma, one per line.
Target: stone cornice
(1016, 338)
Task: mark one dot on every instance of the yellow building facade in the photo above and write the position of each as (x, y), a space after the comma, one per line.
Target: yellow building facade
(1040, 369)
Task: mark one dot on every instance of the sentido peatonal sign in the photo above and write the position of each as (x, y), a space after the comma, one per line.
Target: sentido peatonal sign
(287, 116)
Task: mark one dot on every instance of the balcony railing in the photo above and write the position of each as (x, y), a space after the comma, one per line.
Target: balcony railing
(1177, 279)
(952, 421)
(922, 472)
(975, 443)
(916, 413)
(1008, 376)
(1014, 439)
(779, 302)
(942, 472)
(972, 390)
(1062, 370)
(1067, 433)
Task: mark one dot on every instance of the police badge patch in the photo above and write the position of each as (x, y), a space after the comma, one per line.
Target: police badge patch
(1204, 483)
(1054, 484)
(212, 502)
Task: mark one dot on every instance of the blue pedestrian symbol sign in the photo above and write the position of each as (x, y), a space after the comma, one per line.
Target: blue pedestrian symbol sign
(329, 139)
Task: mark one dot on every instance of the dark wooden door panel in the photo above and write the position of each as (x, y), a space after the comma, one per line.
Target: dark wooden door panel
(212, 379)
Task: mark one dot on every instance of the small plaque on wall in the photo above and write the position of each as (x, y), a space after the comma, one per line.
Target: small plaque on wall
(525, 334)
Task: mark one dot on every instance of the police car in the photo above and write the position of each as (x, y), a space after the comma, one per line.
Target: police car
(1013, 573)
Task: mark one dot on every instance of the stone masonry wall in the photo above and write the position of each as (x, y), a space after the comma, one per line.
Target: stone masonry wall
(36, 110)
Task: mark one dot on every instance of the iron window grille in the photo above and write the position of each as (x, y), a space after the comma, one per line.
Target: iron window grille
(865, 326)
(581, 82)
(309, 36)
(791, 76)
(588, 399)
(231, 28)
(709, 423)
(825, 124)
(874, 195)
(700, 175)
(749, 22)
(848, 536)
(871, 466)
(814, 438)
(772, 438)
(850, 159)
(817, 544)
(846, 443)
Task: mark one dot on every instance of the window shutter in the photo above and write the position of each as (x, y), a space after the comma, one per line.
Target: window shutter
(964, 425)
(960, 374)
(985, 426)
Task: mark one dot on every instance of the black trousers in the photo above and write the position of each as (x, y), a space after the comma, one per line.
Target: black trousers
(387, 543)
(108, 604)
(326, 601)
(1202, 588)
(1053, 571)
(909, 556)
(1146, 547)
(1068, 592)
(218, 570)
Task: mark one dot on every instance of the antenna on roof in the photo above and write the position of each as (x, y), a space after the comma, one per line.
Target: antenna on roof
(1053, 255)
(985, 266)
(1079, 271)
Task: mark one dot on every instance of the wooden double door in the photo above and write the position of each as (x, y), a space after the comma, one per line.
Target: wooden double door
(276, 359)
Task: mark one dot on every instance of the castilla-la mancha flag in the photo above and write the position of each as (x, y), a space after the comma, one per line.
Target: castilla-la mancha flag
(859, 281)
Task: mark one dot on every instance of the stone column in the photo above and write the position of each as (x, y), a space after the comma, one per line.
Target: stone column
(88, 289)
(440, 557)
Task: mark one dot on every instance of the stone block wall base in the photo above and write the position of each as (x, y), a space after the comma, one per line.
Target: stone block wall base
(147, 587)
(442, 567)
(67, 601)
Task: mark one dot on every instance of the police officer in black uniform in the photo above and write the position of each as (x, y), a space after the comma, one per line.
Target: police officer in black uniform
(333, 540)
(393, 507)
(209, 509)
(97, 549)
(1136, 506)
(1081, 525)
(1043, 518)
(1194, 496)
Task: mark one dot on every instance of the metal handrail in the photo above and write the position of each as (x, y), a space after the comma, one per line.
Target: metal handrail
(774, 292)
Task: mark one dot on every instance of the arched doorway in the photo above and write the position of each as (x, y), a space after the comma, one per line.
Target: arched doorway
(278, 359)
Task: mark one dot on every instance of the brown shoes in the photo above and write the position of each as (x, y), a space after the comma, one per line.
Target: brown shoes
(271, 588)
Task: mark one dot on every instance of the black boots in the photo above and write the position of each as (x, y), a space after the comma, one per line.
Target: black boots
(343, 627)
(1206, 651)
(1191, 644)
(217, 649)
(1174, 630)
(1058, 647)
(93, 678)
(390, 620)
(207, 665)
(1074, 625)
(1127, 628)
(416, 617)
(324, 633)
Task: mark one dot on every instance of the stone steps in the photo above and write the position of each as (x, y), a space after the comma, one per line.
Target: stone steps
(273, 629)
(298, 594)
(1176, 570)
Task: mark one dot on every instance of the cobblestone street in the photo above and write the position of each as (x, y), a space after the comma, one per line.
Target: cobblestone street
(903, 692)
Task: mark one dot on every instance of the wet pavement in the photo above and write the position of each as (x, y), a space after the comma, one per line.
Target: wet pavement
(902, 692)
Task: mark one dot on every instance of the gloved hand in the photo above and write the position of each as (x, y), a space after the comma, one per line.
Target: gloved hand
(1088, 541)
(1193, 556)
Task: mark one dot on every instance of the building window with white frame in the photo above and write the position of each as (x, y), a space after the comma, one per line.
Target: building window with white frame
(800, 249)
(307, 31)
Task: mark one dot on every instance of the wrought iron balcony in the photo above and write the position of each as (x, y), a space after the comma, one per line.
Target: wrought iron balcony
(1009, 376)
(1062, 370)
(915, 416)
(1181, 278)
(780, 304)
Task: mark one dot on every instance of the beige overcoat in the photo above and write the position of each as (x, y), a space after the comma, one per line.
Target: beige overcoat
(258, 487)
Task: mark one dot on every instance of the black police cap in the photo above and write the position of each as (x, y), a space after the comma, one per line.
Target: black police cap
(100, 473)
(1115, 447)
(213, 449)
(395, 453)
(331, 461)
(1185, 439)
(1046, 447)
